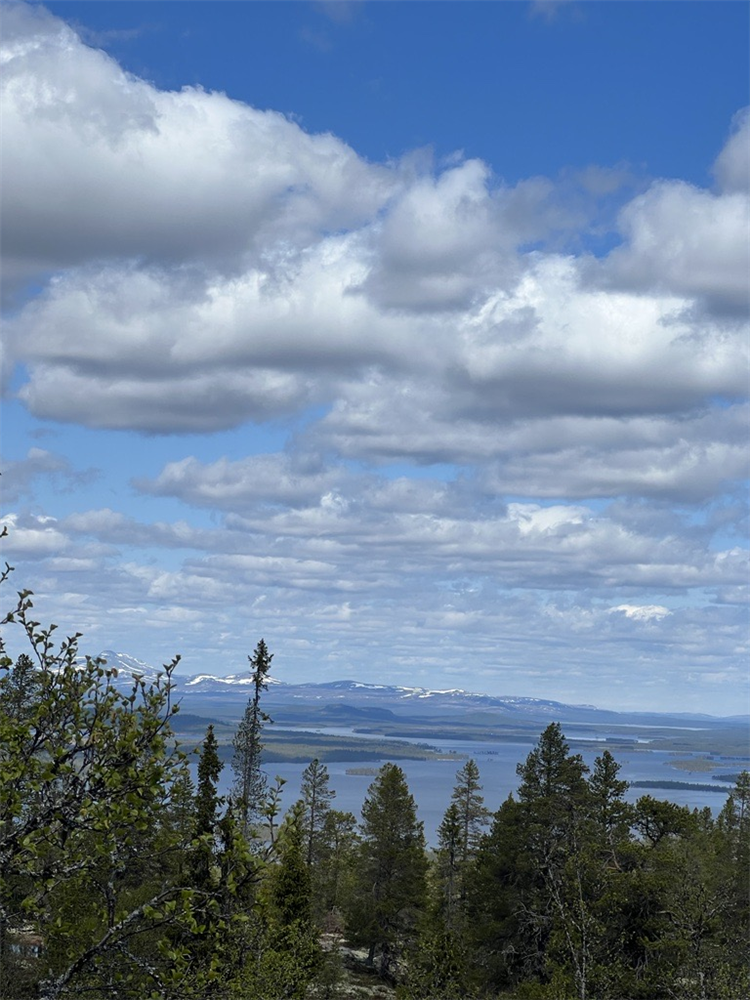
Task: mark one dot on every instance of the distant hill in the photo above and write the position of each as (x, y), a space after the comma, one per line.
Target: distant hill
(354, 703)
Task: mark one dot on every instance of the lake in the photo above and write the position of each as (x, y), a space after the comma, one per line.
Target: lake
(431, 781)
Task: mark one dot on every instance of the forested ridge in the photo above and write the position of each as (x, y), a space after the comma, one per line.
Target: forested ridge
(120, 877)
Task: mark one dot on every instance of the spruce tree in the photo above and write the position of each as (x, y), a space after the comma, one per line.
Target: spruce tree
(337, 863)
(393, 865)
(459, 835)
(610, 814)
(207, 804)
(448, 863)
(250, 782)
(553, 797)
(471, 811)
(207, 801)
(316, 796)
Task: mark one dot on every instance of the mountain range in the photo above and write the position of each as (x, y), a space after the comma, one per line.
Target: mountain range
(346, 702)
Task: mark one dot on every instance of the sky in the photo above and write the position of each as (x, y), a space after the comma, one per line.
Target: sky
(409, 336)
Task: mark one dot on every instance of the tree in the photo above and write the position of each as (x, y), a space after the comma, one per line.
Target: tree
(611, 815)
(207, 801)
(96, 804)
(206, 810)
(316, 796)
(437, 967)
(552, 778)
(88, 771)
(656, 820)
(502, 932)
(250, 781)
(287, 955)
(392, 868)
(335, 871)
(458, 839)
(472, 814)
(448, 864)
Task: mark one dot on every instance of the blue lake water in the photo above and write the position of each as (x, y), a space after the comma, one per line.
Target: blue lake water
(431, 781)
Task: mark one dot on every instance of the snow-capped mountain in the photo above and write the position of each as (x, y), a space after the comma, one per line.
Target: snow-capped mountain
(208, 682)
(354, 693)
(328, 701)
(127, 667)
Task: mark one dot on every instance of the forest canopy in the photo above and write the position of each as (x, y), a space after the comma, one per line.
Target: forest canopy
(122, 877)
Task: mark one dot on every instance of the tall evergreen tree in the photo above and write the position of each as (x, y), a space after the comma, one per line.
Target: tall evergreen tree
(288, 955)
(448, 864)
(393, 866)
(471, 811)
(337, 862)
(550, 776)
(316, 797)
(207, 800)
(610, 814)
(502, 934)
(207, 803)
(250, 782)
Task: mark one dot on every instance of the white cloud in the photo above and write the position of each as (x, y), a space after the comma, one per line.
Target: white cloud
(732, 166)
(643, 613)
(203, 264)
(102, 164)
(367, 531)
(218, 265)
(292, 480)
(19, 477)
(442, 243)
(32, 537)
(681, 240)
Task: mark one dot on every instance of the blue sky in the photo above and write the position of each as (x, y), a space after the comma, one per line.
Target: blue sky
(410, 336)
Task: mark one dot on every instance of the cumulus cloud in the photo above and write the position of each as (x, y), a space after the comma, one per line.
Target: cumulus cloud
(361, 531)
(165, 176)
(32, 536)
(732, 166)
(681, 240)
(198, 265)
(214, 264)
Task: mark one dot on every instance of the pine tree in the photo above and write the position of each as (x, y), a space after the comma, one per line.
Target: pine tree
(316, 796)
(207, 801)
(393, 866)
(250, 782)
(207, 804)
(550, 774)
(448, 863)
(471, 811)
(336, 866)
(610, 814)
(553, 798)
(553, 792)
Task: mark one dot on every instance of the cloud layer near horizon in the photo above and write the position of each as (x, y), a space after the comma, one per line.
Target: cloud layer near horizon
(198, 265)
